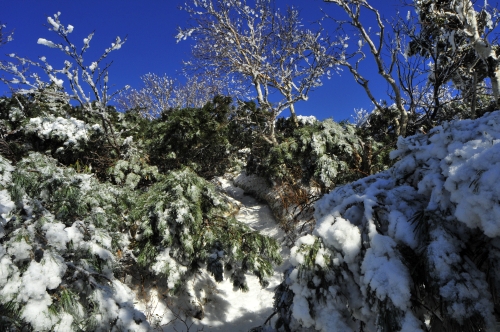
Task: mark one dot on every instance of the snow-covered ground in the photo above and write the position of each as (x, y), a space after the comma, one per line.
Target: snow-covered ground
(225, 309)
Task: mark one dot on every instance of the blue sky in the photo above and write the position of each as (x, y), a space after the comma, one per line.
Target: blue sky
(150, 26)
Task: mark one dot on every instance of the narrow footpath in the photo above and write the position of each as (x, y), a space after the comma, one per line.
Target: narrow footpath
(225, 309)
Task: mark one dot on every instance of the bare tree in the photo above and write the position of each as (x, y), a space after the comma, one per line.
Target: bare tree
(201, 88)
(376, 42)
(152, 99)
(162, 93)
(270, 51)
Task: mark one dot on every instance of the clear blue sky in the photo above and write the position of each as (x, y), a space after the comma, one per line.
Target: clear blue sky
(150, 26)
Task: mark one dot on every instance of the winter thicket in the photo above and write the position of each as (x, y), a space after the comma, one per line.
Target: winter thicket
(84, 206)
(390, 228)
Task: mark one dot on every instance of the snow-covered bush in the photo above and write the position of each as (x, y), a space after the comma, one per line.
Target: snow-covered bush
(72, 137)
(58, 250)
(70, 132)
(321, 151)
(132, 172)
(133, 169)
(414, 248)
(185, 224)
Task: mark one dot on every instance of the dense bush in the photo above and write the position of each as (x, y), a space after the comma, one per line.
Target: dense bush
(184, 223)
(317, 153)
(194, 137)
(412, 248)
(69, 238)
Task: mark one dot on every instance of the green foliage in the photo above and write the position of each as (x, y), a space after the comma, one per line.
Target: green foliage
(194, 137)
(10, 316)
(323, 152)
(185, 224)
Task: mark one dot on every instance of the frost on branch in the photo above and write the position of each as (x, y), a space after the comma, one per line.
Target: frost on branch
(262, 47)
(4, 36)
(88, 83)
(413, 248)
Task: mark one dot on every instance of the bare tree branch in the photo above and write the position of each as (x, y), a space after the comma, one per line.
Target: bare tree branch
(256, 44)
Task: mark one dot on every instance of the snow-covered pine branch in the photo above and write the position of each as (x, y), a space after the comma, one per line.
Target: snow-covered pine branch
(413, 248)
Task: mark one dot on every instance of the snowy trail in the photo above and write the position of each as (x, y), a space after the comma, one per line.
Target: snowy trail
(228, 310)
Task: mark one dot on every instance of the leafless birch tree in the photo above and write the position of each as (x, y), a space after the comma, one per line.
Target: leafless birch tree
(269, 50)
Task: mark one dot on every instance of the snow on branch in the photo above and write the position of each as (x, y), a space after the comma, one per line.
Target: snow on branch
(75, 72)
(417, 243)
(269, 50)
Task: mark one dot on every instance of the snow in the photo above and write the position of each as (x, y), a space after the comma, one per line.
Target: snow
(19, 250)
(449, 178)
(307, 120)
(38, 278)
(225, 309)
(72, 132)
(6, 205)
(386, 274)
(165, 262)
(5, 172)
(56, 235)
(340, 234)
(54, 24)
(75, 235)
(43, 41)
